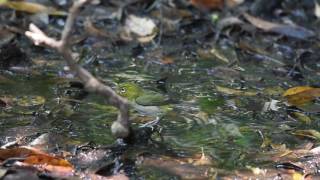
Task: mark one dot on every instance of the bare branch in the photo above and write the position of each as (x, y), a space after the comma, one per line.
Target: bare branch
(119, 128)
(73, 13)
(39, 38)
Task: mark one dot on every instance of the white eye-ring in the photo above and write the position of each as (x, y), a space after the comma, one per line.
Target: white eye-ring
(122, 90)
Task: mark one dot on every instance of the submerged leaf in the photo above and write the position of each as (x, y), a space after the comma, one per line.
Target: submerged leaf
(301, 95)
(310, 133)
(217, 52)
(296, 90)
(302, 117)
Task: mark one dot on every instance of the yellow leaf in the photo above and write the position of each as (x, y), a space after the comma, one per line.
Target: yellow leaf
(230, 91)
(301, 95)
(296, 90)
(30, 7)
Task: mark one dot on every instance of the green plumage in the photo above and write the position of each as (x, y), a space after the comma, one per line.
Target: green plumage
(142, 97)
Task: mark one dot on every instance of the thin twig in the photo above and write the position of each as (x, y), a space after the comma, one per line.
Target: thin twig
(119, 128)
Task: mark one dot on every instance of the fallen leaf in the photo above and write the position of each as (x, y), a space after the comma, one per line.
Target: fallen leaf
(5, 101)
(233, 3)
(167, 60)
(141, 28)
(93, 31)
(38, 159)
(45, 159)
(296, 90)
(16, 152)
(30, 7)
(310, 133)
(208, 4)
(283, 29)
(301, 117)
(253, 48)
(220, 54)
(301, 95)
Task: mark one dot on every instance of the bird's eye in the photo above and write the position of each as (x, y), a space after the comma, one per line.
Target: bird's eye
(122, 90)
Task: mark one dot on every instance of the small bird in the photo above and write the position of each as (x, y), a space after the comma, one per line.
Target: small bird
(144, 101)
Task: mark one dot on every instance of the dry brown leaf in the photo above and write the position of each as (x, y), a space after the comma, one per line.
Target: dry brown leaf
(167, 60)
(36, 157)
(5, 101)
(233, 3)
(46, 159)
(208, 4)
(93, 31)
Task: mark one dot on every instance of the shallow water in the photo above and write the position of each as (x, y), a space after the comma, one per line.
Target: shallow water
(229, 127)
